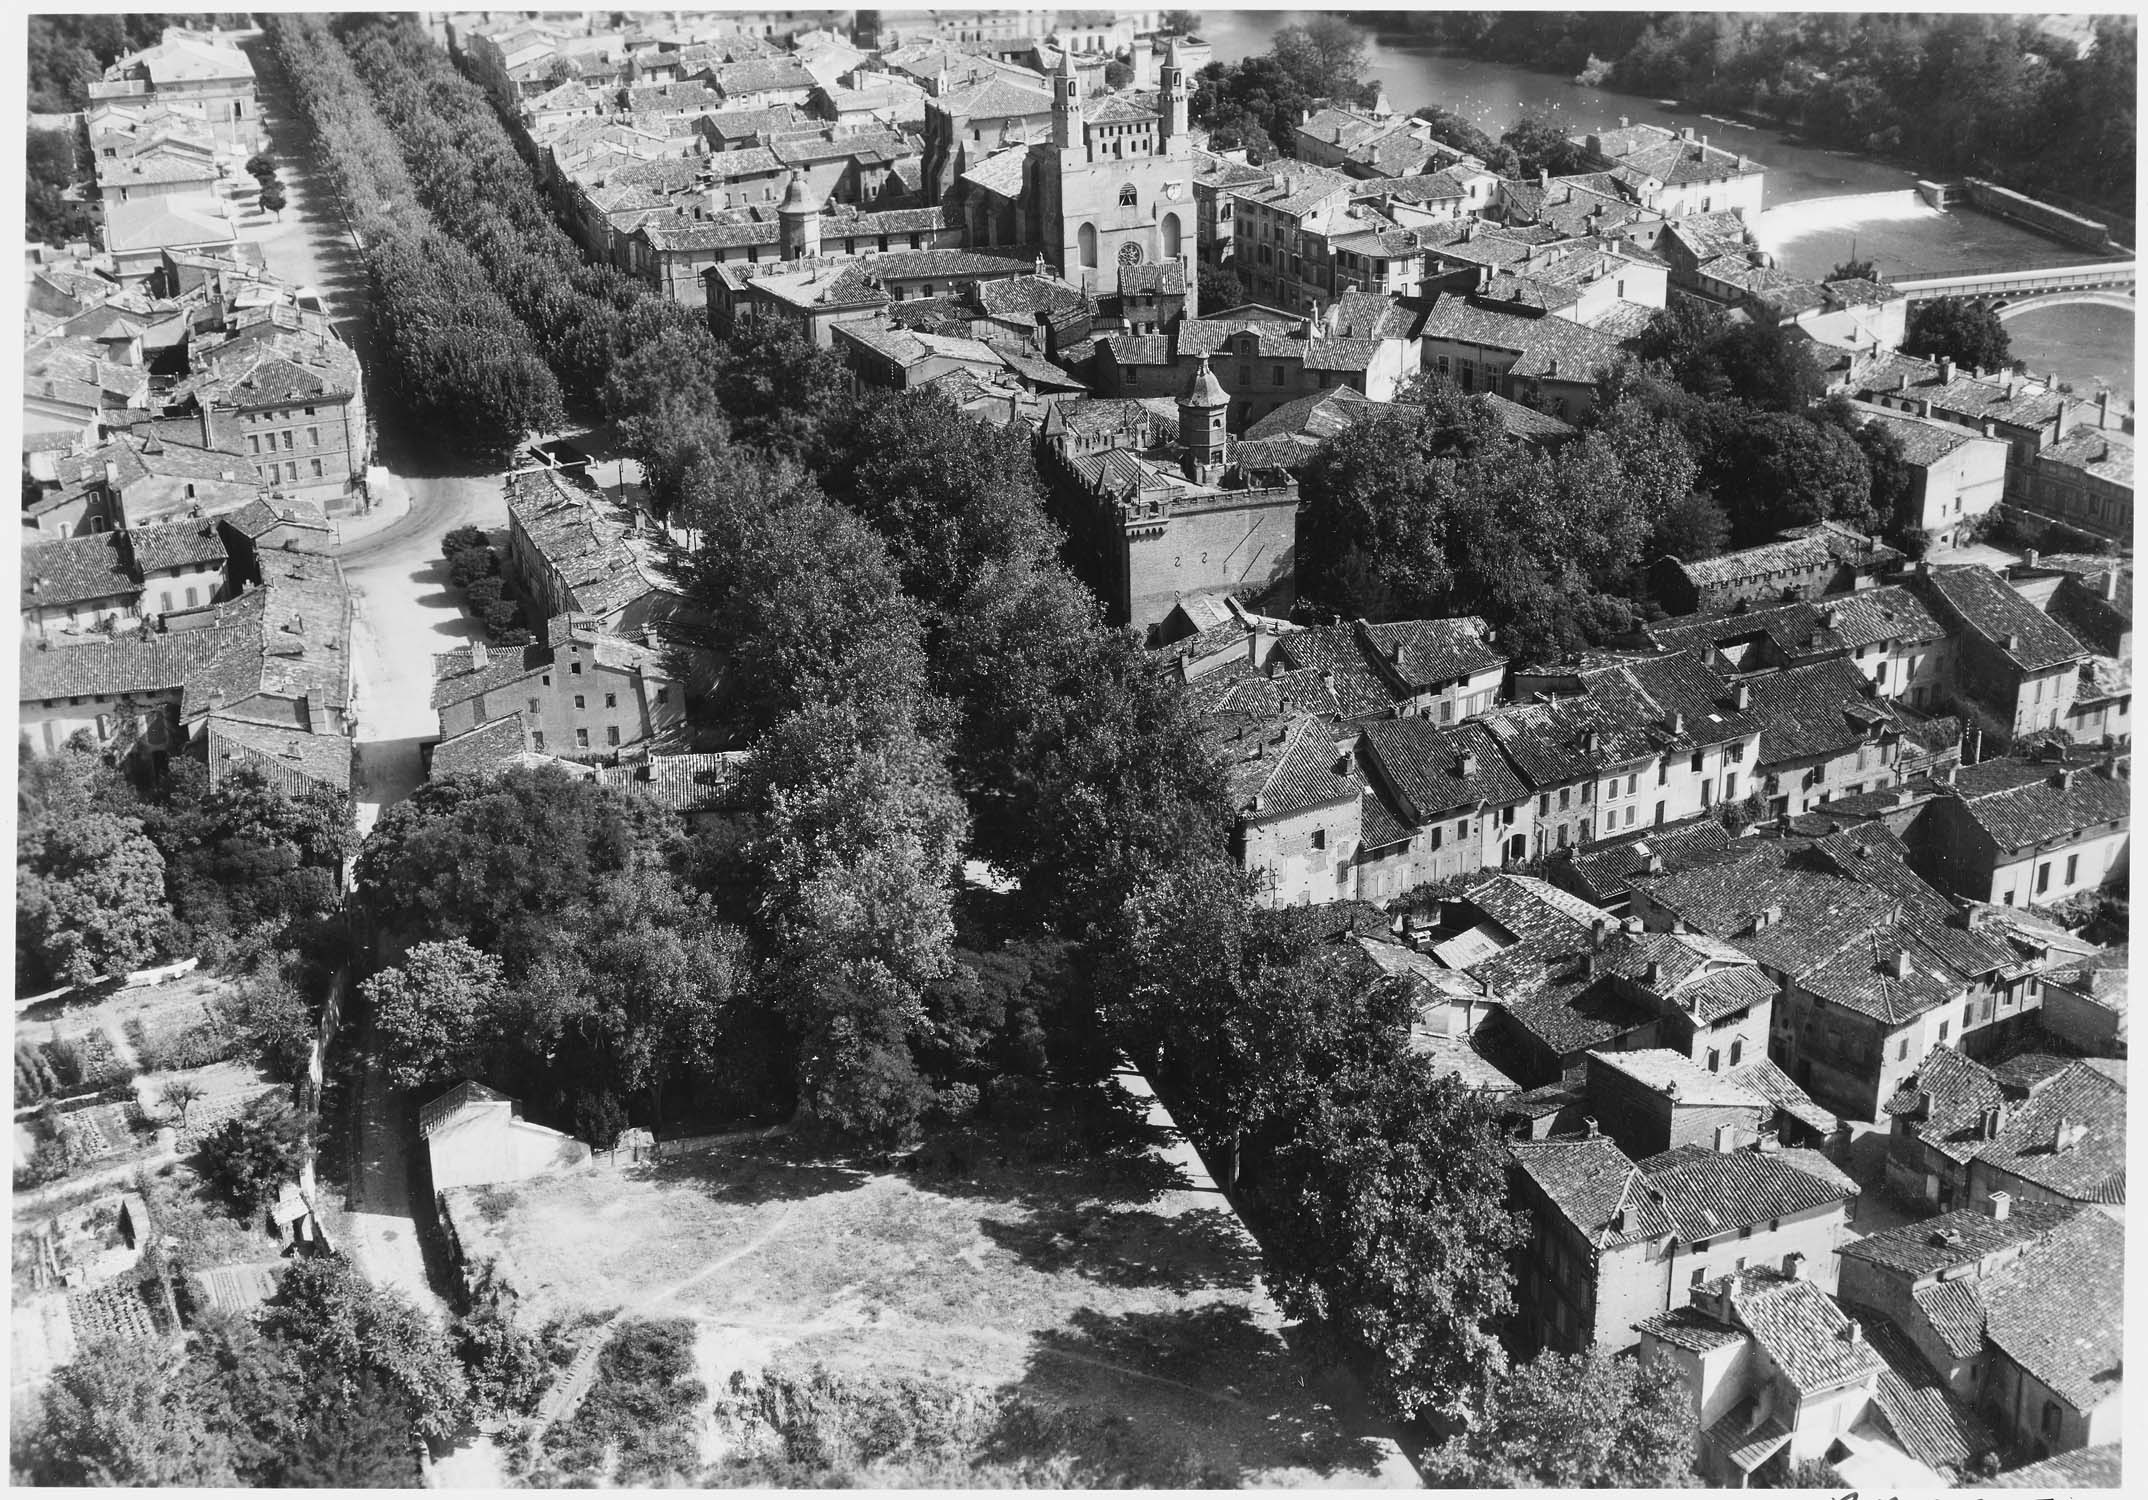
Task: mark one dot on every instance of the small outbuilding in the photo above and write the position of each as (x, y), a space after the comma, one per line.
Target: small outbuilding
(475, 1135)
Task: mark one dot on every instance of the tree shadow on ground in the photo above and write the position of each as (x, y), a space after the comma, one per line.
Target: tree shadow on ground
(775, 1170)
(1200, 1249)
(1061, 1147)
(1197, 1397)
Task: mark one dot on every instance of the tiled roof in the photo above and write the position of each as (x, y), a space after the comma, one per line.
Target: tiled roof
(1690, 1328)
(1936, 1428)
(2056, 1310)
(1428, 653)
(178, 544)
(2092, 1167)
(1338, 652)
(1524, 421)
(1817, 711)
(297, 759)
(2098, 1468)
(1549, 347)
(487, 747)
(1425, 763)
(1594, 1186)
(1708, 1194)
(2104, 452)
(683, 783)
(1954, 1313)
(1280, 770)
(1800, 1329)
(75, 570)
(1991, 607)
(604, 564)
(2049, 802)
(1795, 554)
(758, 75)
(1677, 1076)
(1924, 441)
(1763, 1077)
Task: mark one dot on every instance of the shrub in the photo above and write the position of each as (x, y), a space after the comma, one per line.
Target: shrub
(210, 1040)
(250, 1159)
(642, 1407)
(35, 1078)
(464, 539)
(469, 564)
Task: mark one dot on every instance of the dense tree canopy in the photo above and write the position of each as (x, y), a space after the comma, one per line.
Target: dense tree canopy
(89, 899)
(1986, 93)
(1574, 1422)
(1969, 333)
(1257, 103)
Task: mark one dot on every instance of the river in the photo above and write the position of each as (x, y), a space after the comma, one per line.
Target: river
(1821, 204)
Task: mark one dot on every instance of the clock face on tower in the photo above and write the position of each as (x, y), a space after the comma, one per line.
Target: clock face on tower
(1130, 254)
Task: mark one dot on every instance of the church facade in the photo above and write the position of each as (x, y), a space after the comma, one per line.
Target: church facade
(1111, 187)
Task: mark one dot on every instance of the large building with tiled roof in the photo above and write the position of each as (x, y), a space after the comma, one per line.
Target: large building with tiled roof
(1887, 631)
(575, 551)
(1615, 1244)
(580, 693)
(1874, 968)
(1961, 1131)
(1778, 1374)
(265, 670)
(1513, 350)
(2027, 832)
(2085, 478)
(118, 579)
(202, 73)
(2012, 663)
(1802, 563)
(1677, 172)
(1956, 475)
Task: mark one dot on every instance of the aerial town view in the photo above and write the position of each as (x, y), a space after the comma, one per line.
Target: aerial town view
(1010, 748)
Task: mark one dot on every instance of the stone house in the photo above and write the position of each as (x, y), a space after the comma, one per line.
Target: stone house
(1956, 475)
(1873, 967)
(1654, 1099)
(1779, 1375)
(2041, 1129)
(2013, 665)
(579, 694)
(573, 550)
(1803, 563)
(2027, 833)
(1614, 1242)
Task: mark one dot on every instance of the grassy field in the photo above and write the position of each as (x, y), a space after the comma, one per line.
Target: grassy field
(1120, 1314)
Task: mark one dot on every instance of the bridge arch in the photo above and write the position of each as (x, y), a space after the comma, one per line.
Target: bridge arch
(2096, 298)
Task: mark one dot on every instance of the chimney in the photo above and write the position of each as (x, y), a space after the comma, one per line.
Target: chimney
(1946, 369)
(1726, 1138)
(1624, 122)
(1654, 972)
(1588, 1127)
(1767, 1145)
(1853, 1332)
(1990, 1121)
(2103, 408)
(2110, 585)
(2028, 558)
(2001, 1202)
(1597, 930)
(2012, 642)
(1469, 765)
(1900, 967)
(1670, 1091)
(1794, 1265)
(1676, 722)
(480, 656)
(208, 427)
(1741, 696)
(111, 474)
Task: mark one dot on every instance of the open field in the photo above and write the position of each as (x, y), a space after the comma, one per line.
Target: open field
(1133, 1306)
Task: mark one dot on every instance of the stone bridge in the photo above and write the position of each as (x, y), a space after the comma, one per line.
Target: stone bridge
(2010, 293)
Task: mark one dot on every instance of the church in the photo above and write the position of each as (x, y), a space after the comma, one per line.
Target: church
(1111, 187)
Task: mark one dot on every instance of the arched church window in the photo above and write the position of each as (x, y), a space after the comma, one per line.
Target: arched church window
(1085, 237)
(1170, 236)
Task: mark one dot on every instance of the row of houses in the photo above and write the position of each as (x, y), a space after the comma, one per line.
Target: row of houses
(195, 393)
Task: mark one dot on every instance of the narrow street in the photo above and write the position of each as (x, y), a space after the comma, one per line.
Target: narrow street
(404, 613)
